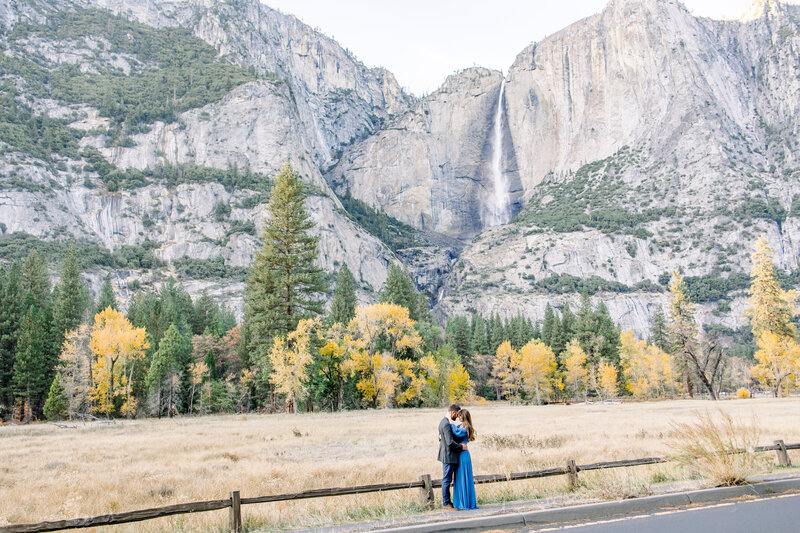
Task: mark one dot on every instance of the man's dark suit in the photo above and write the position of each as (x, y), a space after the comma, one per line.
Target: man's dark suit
(449, 453)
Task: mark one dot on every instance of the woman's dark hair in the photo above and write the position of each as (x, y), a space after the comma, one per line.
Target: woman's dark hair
(466, 421)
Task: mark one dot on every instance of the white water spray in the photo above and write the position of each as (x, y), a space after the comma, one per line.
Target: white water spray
(497, 208)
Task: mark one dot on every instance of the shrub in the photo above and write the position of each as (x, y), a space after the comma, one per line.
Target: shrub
(718, 449)
(743, 393)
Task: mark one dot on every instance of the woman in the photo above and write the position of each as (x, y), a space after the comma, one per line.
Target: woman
(464, 485)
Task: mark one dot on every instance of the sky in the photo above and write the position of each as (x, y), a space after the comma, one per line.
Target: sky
(423, 41)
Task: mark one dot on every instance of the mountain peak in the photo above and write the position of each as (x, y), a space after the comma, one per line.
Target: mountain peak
(761, 9)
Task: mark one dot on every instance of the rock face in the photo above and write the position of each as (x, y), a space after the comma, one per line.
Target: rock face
(429, 167)
(637, 141)
(693, 125)
(317, 100)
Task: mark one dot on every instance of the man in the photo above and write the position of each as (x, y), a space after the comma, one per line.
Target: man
(449, 452)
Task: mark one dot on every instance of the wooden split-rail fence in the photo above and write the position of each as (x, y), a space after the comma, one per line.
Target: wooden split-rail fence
(425, 483)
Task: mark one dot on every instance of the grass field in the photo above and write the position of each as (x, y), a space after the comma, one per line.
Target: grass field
(47, 472)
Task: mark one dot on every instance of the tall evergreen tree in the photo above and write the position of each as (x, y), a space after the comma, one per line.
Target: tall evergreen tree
(71, 299)
(11, 312)
(567, 323)
(549, 326)
(458, 334)
(659, 334)
(497, 334)
(283, 284)
(343, 307)
(34, 361)
(423, 308)
(163, 375)
(609, 347)
(399, 290)
(107, 298)
(480, 342)
(35, 279)
(205, 315)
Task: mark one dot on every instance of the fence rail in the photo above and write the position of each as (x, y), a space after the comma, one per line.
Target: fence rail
(425, 484)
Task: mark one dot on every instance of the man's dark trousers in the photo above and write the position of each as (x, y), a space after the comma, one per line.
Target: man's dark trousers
(448, 473)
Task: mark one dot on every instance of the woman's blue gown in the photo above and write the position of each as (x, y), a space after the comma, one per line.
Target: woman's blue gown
(464, 485)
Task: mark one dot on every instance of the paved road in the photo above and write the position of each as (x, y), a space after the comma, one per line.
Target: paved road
(776, 514)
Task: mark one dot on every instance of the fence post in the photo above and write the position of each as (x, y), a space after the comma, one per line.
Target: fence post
(783, 455)
(236, 512)
(572, 474)
(426, 497)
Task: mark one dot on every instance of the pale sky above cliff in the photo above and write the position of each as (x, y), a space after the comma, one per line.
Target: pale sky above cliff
(423, 41)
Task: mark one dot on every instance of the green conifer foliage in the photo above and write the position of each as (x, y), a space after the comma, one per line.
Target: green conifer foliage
(343, 307)
(71, 299)
(107, 298)
(56, 405)
(284, 284)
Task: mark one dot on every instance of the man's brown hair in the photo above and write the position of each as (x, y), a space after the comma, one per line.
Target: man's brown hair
(455, 407)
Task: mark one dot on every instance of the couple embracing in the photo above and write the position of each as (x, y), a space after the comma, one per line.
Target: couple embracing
(455, 431)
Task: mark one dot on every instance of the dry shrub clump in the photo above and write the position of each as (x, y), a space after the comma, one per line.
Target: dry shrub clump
(719, 449)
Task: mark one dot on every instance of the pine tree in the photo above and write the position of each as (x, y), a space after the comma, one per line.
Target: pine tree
(36, 280)
(163, 375)
(107, 298)
(549, 326)
(283, 283)
(399, 290)
(211, 363)
(770, 307)
(496, 333)
(72, 298)
(659, 335)
(11, 313)
(608, 331)
(480, 343)
(343, 307)
(33, 365)
(55, 407)
(458, 335)
(423, 308)
(568, 321)
(205, 315)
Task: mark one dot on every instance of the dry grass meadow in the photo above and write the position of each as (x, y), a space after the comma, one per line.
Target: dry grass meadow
(48, 472)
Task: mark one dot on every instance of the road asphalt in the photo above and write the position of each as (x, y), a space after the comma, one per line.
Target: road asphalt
(773, 514)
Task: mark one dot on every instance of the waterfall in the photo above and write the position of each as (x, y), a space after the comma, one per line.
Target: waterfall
(496, 206)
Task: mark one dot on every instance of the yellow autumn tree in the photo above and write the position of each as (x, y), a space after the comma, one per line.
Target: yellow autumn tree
(537, 364)
(75, 365)
(647, 369)
(771, 310)
(198, 372)
(778, 361)
(290, 358)
(505, 371)
(117, 347)
(607, 376)
(770, 307)
(389, 322)
(575, 372)
(458, 384)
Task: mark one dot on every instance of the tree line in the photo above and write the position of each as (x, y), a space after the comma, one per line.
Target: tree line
(169, 354)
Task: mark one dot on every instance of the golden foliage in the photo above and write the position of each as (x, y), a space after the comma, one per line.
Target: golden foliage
(505, 371)
(75, 364)
(770, 307)
(117, 347)
(383, 319)
(290, 358)
(777, 361)
(537, 364)
(458, 384)
(647, 369)
(607, 375)
(575, 372)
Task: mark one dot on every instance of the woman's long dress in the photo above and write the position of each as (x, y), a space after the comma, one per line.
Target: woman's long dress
(464, 485)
